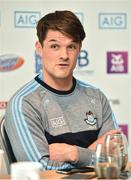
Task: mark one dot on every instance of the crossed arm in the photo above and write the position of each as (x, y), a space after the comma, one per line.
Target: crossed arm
(69, 153)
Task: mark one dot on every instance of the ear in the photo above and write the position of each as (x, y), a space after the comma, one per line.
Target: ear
(38, 48)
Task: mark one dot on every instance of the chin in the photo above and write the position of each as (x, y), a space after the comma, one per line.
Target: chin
(64, 76)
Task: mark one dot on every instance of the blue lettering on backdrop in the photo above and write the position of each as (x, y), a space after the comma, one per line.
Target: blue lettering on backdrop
(105, 21)
(26, 18)
(21, 20)
(83, 59)
(32, 19)
(118, 21)
(112, 20)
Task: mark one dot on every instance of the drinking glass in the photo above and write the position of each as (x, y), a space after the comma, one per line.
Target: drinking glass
(107, 161)
(121, 140)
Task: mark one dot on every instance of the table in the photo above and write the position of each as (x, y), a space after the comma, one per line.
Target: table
(52, 174)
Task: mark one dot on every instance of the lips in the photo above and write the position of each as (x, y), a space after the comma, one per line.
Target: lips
(64, 65)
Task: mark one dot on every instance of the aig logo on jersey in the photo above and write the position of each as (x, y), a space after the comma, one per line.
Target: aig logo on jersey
(57, 122)
(26, 19)
(117, 62)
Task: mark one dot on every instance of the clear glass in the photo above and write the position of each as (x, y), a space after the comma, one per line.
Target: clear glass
(121, 140)
(107, 161)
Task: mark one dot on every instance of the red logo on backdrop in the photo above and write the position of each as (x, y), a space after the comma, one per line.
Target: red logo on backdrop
(10, 62)
(3, 104)
(124, 129)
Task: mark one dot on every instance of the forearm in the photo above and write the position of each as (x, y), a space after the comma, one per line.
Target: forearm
(63, 152)
(77, 156)
(86, 157)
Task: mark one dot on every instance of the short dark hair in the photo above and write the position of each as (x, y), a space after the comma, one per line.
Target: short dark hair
(64, 21)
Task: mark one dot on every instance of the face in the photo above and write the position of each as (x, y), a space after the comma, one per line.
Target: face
(59, 55)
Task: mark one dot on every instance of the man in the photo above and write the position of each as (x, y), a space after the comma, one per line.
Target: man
(56, 119)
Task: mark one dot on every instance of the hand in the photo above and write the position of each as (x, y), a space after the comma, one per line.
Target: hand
(101, 139)
(63, 152)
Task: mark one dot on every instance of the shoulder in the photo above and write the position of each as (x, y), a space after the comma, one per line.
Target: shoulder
(89, 89)
(25, 91)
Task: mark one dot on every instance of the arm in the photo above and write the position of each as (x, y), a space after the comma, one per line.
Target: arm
(69, 153)
(84, 156)
(107, 125)
(77, 156)
(26, 133)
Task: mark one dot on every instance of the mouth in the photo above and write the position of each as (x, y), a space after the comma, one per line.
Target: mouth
(63, 65)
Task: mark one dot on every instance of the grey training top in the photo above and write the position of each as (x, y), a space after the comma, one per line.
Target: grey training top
(38, 115)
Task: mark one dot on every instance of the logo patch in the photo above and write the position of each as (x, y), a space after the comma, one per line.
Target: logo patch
(57, 122)
(91, 120)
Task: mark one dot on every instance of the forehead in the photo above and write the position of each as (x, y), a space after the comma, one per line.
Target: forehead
(57, 36)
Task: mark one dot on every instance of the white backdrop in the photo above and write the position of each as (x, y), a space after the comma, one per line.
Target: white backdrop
(107, 24)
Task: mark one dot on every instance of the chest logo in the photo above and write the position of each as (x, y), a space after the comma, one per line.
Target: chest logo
(57, 122)
(90, 119)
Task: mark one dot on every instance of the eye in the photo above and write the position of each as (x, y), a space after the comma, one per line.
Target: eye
(54, 46)
(72, 47)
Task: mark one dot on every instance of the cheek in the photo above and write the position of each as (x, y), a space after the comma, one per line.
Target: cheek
(49, 54)
(74, 57)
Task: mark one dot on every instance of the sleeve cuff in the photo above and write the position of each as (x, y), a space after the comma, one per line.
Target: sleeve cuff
(86, 157)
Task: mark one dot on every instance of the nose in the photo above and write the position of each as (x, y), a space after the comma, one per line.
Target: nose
(64, 54)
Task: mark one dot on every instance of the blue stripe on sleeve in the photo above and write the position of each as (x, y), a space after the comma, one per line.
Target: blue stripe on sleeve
(22, 129)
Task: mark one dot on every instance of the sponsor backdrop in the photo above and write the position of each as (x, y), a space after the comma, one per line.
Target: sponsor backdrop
(104, 58)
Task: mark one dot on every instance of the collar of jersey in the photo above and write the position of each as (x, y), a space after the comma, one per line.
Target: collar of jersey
(39, 79)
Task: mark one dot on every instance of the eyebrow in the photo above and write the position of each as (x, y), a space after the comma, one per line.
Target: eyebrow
(54, 40)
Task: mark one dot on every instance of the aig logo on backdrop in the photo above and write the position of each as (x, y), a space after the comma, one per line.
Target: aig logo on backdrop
(26, 19)
(112, 20)
(117, 62)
